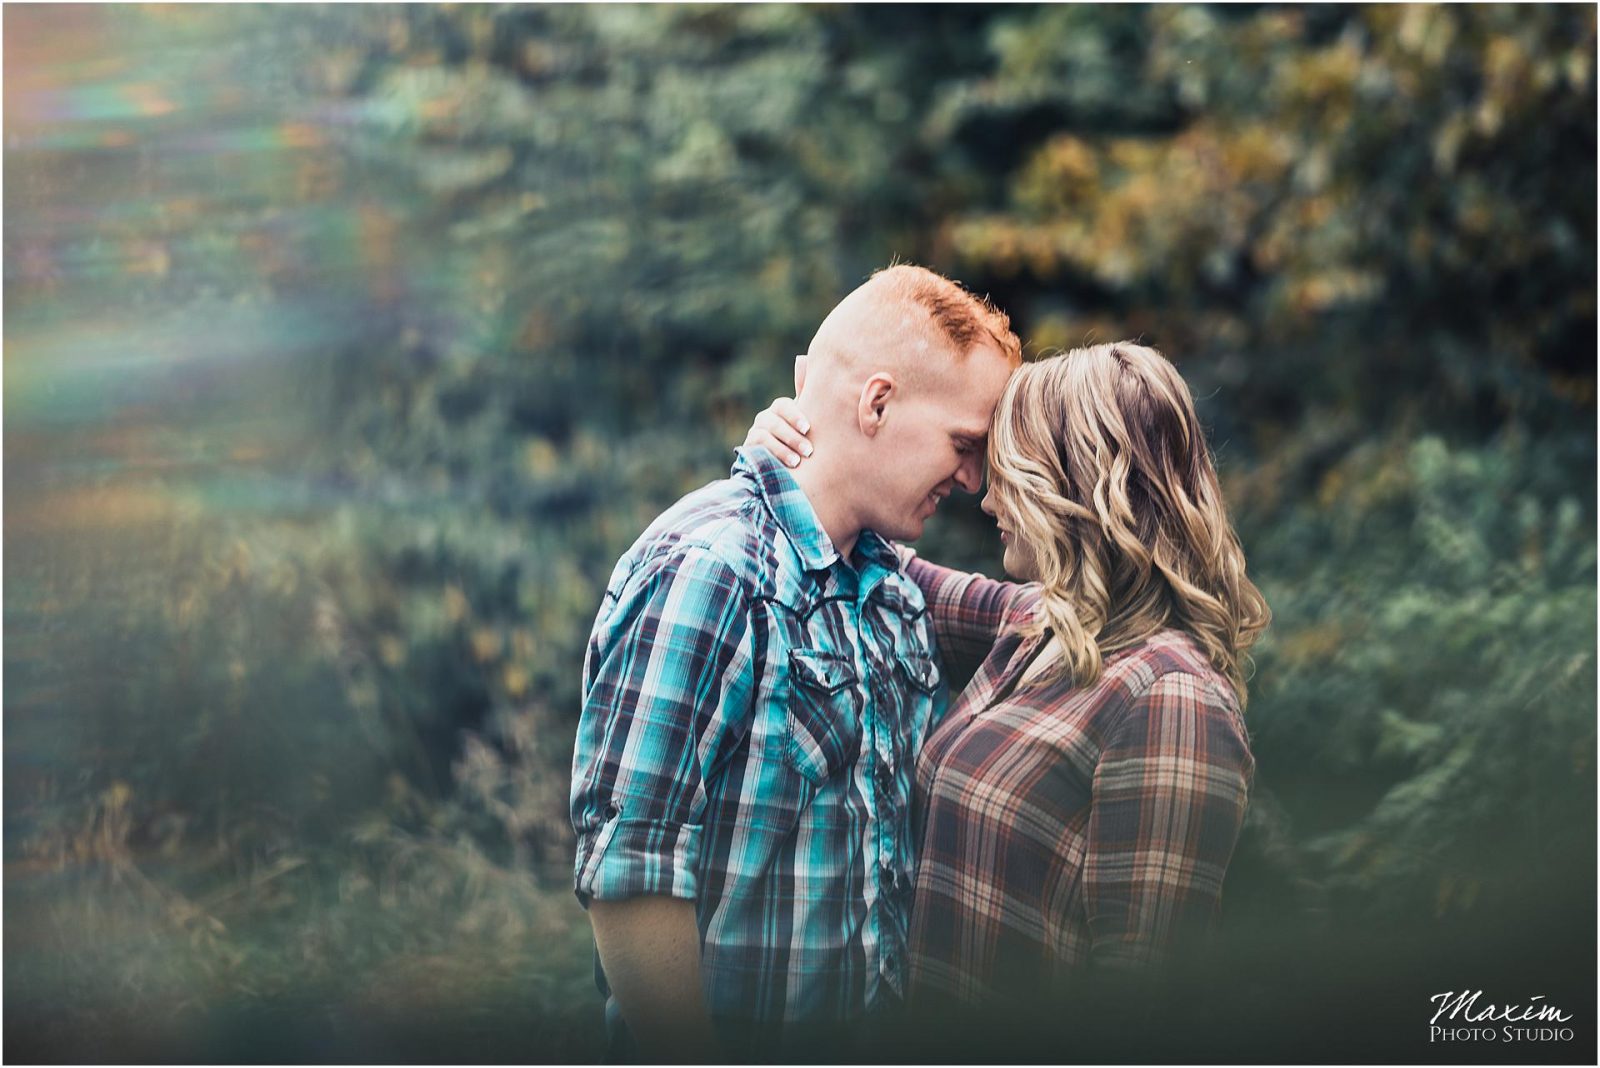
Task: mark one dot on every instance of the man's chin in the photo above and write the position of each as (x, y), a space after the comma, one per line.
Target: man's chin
(906, 530)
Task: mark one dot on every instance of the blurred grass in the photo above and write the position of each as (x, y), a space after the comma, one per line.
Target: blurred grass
(435, 954)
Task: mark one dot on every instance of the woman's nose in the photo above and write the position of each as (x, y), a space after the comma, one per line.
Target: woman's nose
(987, 504)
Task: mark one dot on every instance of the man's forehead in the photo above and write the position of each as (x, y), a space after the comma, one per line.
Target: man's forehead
(975, 386)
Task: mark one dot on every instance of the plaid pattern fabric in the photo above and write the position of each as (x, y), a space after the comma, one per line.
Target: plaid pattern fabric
(752, 707)
(1064, 827)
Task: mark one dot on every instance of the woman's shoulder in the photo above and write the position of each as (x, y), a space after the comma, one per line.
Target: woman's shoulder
(1170, 660)
(1022, 609)
(1177, 704)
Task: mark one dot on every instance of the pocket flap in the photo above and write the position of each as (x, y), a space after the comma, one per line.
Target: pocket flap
(822, 671)
(921, 670)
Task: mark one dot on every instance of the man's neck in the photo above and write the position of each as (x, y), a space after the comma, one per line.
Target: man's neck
(825, 489)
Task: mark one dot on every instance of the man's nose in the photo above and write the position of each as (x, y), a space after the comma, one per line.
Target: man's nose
(969, 476)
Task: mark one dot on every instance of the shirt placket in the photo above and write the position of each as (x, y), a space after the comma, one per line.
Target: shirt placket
(887, 873)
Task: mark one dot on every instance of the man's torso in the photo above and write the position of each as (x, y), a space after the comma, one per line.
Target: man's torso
(805, 856)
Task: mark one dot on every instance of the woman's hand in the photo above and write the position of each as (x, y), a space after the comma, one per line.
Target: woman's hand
(781, 429)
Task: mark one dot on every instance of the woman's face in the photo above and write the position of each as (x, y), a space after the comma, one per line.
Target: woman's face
(1019, 562)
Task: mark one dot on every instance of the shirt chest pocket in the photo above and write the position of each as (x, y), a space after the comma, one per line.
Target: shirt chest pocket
(822, 728)
(920, 672)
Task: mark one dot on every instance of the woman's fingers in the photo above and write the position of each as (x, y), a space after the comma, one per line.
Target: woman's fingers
(762, 429)
(783, 428)
(778, 435)
(788, 409)
(770, 432)
(778, 430)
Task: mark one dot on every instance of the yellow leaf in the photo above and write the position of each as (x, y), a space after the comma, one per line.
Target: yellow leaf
(455, 603)
(391, 650)
(485, 644)
(515, 679)
(541, 458)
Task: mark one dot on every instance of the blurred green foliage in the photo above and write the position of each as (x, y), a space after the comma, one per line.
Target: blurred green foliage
(348, 347)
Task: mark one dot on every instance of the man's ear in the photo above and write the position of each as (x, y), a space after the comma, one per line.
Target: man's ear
(872, 407)
(799, 373)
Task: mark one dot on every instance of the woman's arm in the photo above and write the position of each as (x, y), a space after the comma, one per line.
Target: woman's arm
(1168, 800)
(968, 610)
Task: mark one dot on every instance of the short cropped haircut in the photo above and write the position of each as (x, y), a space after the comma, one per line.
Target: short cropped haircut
(964, 318)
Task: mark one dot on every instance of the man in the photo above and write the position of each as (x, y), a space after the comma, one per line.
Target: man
(756, 685)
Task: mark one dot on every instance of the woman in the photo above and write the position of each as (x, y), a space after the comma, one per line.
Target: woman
(1081, 799)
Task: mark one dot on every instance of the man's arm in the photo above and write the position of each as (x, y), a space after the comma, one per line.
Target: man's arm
(669, 672)
(650, 949)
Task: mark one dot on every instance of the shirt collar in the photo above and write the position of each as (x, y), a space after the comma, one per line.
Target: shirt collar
(789, 506)
(798, 520)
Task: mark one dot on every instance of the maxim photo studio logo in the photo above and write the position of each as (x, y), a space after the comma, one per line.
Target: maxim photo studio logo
(1466, 1016)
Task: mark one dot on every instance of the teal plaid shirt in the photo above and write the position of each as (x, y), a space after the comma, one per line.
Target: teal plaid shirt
(753, 706)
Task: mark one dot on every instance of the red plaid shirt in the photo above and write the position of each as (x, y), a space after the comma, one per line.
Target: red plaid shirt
(1062, 826)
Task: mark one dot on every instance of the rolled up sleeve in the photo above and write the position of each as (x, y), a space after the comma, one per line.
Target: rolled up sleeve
(667, 671)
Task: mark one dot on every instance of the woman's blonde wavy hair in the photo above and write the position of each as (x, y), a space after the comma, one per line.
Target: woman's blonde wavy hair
(1098, 460)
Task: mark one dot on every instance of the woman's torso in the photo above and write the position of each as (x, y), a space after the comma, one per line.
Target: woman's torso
(1065, 825)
